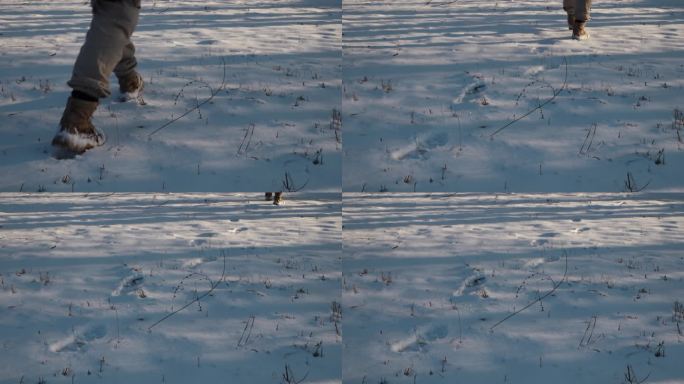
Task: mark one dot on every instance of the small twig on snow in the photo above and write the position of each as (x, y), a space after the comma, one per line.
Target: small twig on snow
(198, 298)
(198, 105)
(249, 324)
(540, 106)
(547, 294)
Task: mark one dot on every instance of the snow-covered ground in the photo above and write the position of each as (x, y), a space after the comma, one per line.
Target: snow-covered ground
(274, 119)
(582, 282)
(429, 278)
(83, 278)
(427, 85)
(426, 285)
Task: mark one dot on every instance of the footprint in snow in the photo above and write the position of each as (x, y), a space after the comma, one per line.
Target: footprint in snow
(79, 339)
(208, 234)
(421, 338)
(533, 263)
(202, 239)
(470, 91)
(196, 261)
(192, 263)
(422, 146)
(538, 242)
(472, 285)
(132, 283)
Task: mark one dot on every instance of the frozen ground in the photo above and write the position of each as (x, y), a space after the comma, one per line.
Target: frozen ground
(427, 85)
(274, 119)
(428, 277)
(84, 277)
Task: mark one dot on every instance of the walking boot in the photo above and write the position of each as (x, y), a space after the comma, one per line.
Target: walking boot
(276, 200)
(77, 133)
(131, 86)
(579, 32)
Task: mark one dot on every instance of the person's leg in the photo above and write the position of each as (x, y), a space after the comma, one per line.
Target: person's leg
(582, 15)
(107, 44)
(108, 37)
(583, 10)
(127, 64)
(130, 81)
(569, 7)
(277, 198)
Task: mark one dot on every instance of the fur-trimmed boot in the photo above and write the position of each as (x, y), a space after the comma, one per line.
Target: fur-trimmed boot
(77, 133)
(579, 32)
(131, 86)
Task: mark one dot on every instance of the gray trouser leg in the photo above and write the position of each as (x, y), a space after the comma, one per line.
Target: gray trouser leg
(107, 47)
(127, 63)
(569, 6)
(583, 10)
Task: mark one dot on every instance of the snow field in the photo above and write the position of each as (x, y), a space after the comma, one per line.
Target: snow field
(544, 245)
(86, 283)
(274, 67)
(430, 280)
(430, 89)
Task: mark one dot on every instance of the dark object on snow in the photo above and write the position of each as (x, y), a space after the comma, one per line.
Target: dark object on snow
(276, 199)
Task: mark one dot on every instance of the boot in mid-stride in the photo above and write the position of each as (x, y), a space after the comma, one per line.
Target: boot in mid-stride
(277, 198)
(579, 32)
(77, 133)
(578, 12)
(131, 87)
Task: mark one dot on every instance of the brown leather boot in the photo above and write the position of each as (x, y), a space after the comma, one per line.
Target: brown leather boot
(77, 133)
(131, 86)
(579, 32)
(276, 200)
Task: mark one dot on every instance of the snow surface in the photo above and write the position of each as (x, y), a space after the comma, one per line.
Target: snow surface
(274, 116)
(581, 283)
(415, 288)
(427, 84)
(84, 277)
(426, 277)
